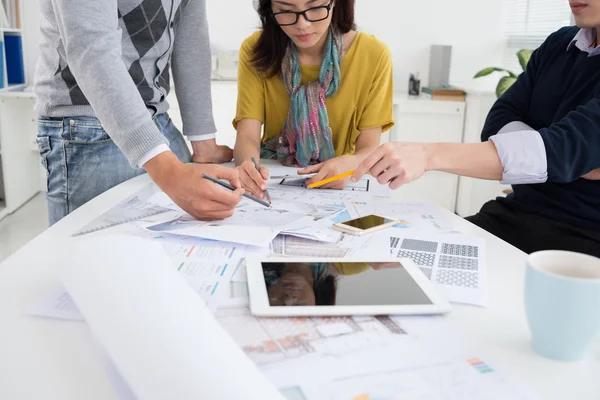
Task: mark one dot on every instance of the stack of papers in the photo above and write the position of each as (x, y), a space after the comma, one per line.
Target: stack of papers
(270, 358)
(303, 358)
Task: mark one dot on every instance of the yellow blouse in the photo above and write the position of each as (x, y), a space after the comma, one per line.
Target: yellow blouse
(364, 99)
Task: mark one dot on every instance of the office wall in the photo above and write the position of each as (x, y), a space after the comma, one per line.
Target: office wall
(31, 30)
(473, 27)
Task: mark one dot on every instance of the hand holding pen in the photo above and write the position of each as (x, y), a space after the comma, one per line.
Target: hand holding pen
(254, 180)
(258, 170)
(230, 187)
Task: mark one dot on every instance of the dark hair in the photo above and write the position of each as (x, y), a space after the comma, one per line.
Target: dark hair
(269, 50)
(325, 285)
(325, 290)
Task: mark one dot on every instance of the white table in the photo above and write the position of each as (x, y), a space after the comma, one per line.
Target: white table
(43, 358)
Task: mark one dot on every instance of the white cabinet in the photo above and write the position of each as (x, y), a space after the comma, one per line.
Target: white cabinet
(420, 119)
(20, 167)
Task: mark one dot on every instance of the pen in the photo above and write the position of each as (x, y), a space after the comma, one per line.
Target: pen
(258, 169)
(333, 178)
(228, 186)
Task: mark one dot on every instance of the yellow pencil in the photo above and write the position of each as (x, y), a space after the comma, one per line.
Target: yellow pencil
(333, 178)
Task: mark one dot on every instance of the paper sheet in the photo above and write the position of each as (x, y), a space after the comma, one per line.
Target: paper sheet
(132, 209)
(320, 230)
(364, 186)
(298, 213)
(201, 251)
(57, 305)
(423, 217)
(208, 247)
(279, 215)
(457, 379)
(186, 225)
(160, 198)
(206, 267)
(210, 281)
(120, 386)
(317, 233)
(269, 341)
(345, 246)
(456, 264)
(349, 357)
(160, 336)
(368, 185)
(315, 196)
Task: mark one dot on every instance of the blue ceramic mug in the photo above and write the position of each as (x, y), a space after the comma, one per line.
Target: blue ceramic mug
(562, 303)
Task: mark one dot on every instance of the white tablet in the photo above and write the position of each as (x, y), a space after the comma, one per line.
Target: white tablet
(297, 287)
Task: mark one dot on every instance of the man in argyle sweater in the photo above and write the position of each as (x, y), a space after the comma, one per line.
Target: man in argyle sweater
(101, 84)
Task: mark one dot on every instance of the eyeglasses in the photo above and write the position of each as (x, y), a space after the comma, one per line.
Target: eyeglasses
(314, 14)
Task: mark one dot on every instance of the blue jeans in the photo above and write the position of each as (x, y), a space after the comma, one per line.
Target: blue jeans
(82, 161)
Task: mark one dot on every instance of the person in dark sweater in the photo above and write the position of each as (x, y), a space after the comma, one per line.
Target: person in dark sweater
(542, 137)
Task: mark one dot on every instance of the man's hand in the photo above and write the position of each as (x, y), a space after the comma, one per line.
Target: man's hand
(395, 163)
(184, 184)
(593, 175)
(253, 181)
(329, 168)
(208, 152)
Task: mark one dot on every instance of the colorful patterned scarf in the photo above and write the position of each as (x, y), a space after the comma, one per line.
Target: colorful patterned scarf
(306, 137)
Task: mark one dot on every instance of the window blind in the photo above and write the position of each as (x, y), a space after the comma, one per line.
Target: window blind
(528, 24)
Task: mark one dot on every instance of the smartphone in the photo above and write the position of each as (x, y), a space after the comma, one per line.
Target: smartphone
(365, 225)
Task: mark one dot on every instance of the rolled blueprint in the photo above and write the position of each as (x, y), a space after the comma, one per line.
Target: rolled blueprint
(159, 334)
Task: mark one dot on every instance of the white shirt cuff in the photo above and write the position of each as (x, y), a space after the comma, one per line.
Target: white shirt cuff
(523, 156)
(514, 127)
(153, 153)
(200, 138)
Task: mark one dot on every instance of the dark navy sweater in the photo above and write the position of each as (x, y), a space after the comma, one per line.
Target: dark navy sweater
(559, 96)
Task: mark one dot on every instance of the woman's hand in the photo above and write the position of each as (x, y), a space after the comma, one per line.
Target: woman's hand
(253, 181)
(329, 168)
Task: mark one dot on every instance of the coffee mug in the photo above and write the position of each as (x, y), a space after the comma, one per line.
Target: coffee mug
(562, 303)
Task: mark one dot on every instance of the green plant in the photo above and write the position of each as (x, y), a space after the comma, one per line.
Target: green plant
(507, 81)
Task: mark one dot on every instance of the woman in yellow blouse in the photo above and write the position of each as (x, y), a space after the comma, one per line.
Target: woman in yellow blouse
(321, 91)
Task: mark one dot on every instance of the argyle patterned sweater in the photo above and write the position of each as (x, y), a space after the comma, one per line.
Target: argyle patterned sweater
(110, 59)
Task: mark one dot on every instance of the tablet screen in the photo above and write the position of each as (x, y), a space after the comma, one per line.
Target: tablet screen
(341, 284)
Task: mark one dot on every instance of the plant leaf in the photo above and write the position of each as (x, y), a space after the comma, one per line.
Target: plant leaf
(484, 72)
(487, 71)
(524, 56)
(504, 84)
